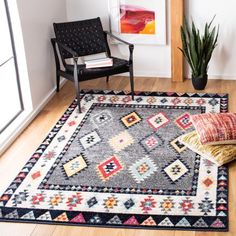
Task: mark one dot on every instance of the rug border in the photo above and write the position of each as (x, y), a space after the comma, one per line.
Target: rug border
(143, 227)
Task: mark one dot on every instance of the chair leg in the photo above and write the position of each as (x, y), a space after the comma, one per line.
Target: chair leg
(77, 90)
(78, 96)
(132, 81)
(107, 80)
(58, 82)
(76, 82)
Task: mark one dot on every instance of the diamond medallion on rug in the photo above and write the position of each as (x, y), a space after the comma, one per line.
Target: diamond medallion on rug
(120, 163)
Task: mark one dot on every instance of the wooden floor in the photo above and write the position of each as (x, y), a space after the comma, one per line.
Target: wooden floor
(16, 156)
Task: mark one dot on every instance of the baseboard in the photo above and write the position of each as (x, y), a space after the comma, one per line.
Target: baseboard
(218, 77)
(222, 77)
(28, 119)
(147, 74)
(152, 74)
(167, 76)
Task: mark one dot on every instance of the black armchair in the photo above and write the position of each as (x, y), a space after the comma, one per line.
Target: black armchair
(82, 38)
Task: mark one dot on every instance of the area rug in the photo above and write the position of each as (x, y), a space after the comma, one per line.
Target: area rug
(120, 164)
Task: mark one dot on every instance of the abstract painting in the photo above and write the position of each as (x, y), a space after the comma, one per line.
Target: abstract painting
(139, 22)
(136, 20)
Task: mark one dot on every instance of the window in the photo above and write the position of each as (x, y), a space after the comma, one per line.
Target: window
(15, 95)
(11, 103)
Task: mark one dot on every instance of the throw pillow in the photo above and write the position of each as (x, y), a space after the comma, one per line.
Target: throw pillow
(219, 154)
(217, 128)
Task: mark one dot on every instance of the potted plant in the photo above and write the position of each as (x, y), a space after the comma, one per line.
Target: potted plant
(198, 49)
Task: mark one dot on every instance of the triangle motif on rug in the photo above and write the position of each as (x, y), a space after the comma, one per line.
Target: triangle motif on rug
(33, 160)
(222, 172)
(222, 201)
(200, 224)
(13, 186)
(222, 177)
(25, 170)
(183, 223)
(149, 222)
(222, 195)
(218, 224)
(62, 218)
(131, 221)
(12, 215)
(166, 222)
(28, 216)
(21, 175)
(45, 216)
(221, 208)
(29, 165)
(18, 180)
(115, 220)
(78, 219)
(9, 191)
(221, 213)
(95, 220)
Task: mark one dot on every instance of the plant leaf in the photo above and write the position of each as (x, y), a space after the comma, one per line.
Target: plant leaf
(198, 49)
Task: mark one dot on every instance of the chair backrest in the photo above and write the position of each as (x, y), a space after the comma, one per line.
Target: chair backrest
(85, 37)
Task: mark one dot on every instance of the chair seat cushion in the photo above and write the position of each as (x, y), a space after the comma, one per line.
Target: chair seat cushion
(217, 128)
(119, 66)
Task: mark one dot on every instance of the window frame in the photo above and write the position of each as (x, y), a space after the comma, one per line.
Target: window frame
(14, 57)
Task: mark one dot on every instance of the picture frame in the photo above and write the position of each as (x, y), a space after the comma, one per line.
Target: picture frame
(139, 22)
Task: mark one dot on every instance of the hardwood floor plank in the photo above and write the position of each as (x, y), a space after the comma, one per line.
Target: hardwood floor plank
(46, 230)
(16, 229)
(185, 233)
(91, 231)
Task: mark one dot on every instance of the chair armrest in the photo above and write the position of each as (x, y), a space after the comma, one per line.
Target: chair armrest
(117, 38)
(66, 48)
(131, 46)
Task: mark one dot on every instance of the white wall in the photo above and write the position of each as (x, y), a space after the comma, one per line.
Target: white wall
(223, 64)
(153, 60)
(36, 21)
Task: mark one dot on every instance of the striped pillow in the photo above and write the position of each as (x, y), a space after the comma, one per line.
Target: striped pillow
(219, 154)
(215, 128)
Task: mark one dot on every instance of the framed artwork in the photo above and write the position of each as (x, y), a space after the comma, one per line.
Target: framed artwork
(139, 22)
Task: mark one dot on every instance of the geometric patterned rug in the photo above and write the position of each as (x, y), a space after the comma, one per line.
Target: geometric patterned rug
(119, 164)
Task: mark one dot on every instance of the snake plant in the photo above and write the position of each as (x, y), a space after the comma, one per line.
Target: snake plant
(197, 48)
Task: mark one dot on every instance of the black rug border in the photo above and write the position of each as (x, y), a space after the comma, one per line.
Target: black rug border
(142, 227)
(155, 93)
